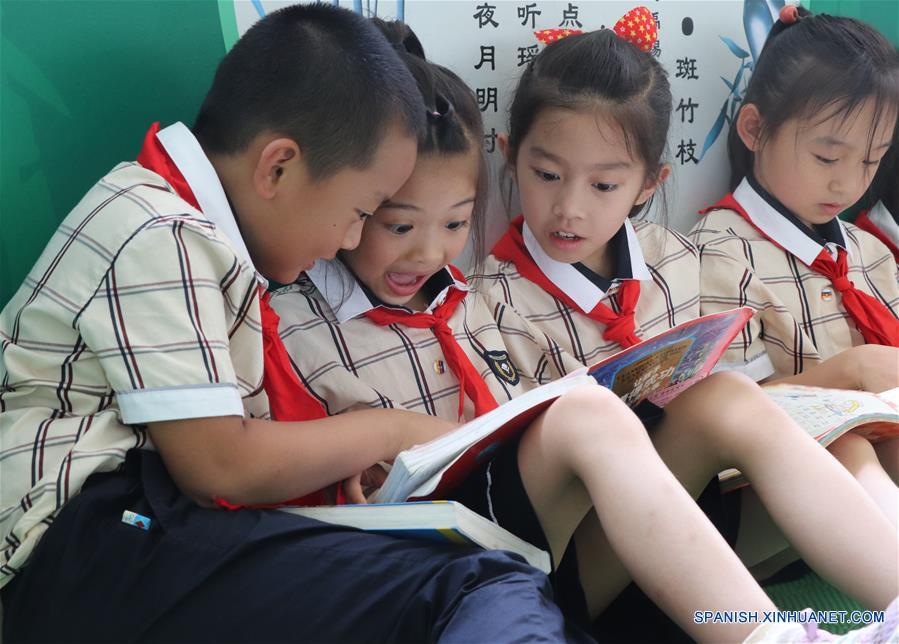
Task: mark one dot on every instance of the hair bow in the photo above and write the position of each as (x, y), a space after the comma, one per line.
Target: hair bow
(637, 26)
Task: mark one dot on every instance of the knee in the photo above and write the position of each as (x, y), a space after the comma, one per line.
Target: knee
(488, 567)
(730, 392)
(726, 405)
(590, 414)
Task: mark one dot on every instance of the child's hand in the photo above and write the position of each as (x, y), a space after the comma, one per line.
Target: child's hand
(359, 487)
(877, 367)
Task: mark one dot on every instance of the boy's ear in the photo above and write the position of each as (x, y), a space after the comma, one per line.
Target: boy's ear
(749, 126)
(277, 159)
(652, 184)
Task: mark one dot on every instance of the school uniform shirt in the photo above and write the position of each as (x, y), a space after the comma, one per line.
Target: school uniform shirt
(140, 310)
(801, 320)
(663, 262)
(346, 360)
(883, 224)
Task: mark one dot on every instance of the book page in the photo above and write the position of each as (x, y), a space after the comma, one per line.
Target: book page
(826, 414)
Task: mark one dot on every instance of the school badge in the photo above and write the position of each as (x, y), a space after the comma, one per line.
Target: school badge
(502, 366)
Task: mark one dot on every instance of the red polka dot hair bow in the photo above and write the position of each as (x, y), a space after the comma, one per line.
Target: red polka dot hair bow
(549, 36)
(637, 26)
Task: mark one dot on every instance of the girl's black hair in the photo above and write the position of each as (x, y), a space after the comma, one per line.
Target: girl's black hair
(318, 74)
(454, 124)
(598, 71)
(889, 192)
(815, 68)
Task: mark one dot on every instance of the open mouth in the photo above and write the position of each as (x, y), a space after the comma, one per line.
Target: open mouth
(404, 284)
(564, 240)
(564, 236)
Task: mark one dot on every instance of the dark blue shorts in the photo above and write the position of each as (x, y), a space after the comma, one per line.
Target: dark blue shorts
(205, 575)
(497, 492)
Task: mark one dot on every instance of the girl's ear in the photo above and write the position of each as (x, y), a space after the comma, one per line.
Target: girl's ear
(652, 184)
(749, 126)
(278, 159)
(503, 140)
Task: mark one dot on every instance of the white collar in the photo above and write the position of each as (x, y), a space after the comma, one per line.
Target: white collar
(777, 227)
(349, 299)
(185, 151)
(881, 217)
(585, 293)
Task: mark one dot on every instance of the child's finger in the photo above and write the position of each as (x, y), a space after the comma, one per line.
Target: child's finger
(352, 488)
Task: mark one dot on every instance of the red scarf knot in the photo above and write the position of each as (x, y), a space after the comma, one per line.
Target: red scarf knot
(621, 330)
(843, 284)
(619, 327)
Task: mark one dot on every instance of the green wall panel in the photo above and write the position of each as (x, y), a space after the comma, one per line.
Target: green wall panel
(80, 81)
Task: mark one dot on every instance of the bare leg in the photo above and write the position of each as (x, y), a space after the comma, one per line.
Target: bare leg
(863, 461)
(817, 504)
(888, 455)
(821, 509)
(569, 461)
(759, 539)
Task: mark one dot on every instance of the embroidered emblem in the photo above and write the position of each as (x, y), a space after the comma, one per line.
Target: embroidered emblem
(826, 294)
(502, 366)
(439, 367)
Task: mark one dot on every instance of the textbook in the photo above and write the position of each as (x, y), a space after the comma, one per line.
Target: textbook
(656, 369)
(827, 414)
(446, 521)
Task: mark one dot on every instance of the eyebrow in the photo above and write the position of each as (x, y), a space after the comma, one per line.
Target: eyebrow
(615, 165)
(408, 206)
(834, 142)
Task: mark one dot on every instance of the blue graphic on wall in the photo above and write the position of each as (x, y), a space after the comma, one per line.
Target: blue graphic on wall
(758, 18)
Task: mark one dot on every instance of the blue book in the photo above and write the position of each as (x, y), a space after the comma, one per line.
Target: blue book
(447, 521)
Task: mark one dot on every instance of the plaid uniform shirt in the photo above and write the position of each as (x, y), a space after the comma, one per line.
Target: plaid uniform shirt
(801, 320)
(347, 360)
(664, 262)
(139, 310)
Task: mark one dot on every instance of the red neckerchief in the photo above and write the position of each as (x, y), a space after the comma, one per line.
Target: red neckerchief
(470, 382)
(288, 398)
(873, 319)
(619, 326)
(863, 222)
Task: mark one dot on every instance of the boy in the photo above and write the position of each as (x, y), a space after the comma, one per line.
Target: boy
(132, 382)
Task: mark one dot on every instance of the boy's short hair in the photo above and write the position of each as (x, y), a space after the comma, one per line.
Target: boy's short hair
(320, 75)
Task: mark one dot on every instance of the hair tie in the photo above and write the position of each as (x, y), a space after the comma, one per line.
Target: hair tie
(789, 15)
(443, 109)
(637, 27)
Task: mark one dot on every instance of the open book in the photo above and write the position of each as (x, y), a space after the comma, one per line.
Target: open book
(446, 521)
(656, 369)
(827, 414)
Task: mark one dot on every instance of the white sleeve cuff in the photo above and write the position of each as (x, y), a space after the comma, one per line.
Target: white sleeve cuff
(759, 368)
(177, 403)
